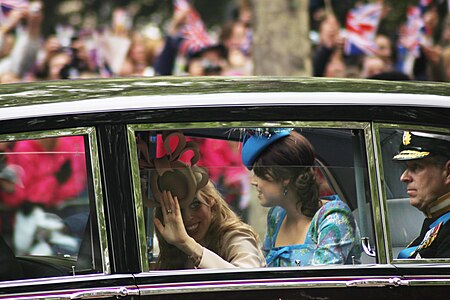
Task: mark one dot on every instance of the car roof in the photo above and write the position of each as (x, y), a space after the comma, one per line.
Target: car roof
(100, 95)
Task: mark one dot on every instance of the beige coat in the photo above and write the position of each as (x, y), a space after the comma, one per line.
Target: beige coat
(242, 252)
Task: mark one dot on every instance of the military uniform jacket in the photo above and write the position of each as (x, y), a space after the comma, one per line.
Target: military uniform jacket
(434, 239)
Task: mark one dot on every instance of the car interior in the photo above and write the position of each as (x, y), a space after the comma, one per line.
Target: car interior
(338, 151)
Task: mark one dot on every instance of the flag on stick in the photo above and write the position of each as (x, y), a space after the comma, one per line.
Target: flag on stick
(361, 27)
(193, 31)
(413, 32)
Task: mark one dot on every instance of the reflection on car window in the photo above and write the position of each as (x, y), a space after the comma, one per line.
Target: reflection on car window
(44, 202)
(336, 169)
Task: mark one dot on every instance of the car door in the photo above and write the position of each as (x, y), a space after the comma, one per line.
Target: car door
(427, 277)
(346, 163)
(53, 224)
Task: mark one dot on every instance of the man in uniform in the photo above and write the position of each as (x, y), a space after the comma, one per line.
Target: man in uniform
(427, 178)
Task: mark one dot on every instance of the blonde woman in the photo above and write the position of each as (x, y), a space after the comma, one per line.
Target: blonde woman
(195, 226)
(204, 233)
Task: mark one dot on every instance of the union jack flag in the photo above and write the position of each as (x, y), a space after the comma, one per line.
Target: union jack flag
(425, 3)
(7, 5)
(361, 26)
(193, 31)
(412, 34)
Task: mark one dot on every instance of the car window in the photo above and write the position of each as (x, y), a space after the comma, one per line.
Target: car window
(48, 208)
(404, 220)
(340, 169)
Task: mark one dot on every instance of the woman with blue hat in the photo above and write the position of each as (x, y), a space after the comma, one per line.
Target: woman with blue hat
(302, 228)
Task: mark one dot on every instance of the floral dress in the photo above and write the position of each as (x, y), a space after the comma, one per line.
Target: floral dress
(332, 238)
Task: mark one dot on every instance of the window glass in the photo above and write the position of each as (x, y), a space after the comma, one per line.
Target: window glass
(416, 170)
(340, 169)
(45, 205)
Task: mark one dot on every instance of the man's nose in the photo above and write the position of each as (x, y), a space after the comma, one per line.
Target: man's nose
(405, 177)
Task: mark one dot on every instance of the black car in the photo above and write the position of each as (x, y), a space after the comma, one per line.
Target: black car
(73, 224)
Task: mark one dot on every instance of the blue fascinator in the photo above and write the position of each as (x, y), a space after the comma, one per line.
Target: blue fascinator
(257, 140)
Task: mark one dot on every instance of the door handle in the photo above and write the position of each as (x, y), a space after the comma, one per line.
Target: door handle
(104, 293)
(367, 248)
(382, 282)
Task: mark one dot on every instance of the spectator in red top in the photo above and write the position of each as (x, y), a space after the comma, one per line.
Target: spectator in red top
(53, 170)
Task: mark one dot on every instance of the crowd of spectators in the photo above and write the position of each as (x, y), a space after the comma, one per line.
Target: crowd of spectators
(184, 47)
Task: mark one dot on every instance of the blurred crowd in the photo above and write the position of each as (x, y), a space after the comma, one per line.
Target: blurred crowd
(363, 48)
(419, 50)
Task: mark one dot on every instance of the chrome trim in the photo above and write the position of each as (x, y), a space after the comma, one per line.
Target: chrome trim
(61, 280)
(9, 137)
(104, 293)
(371, 170)
(383, 197)
(242, 124)
(378, 205)
(132, 128)
(428, 280)
(247, 285)
(138, 203)
(98, 192)
(93, 293)
(125, 103)
(255, 284)
(90, 132)
(384, 282)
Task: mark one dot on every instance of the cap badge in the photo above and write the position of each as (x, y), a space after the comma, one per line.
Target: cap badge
(406, 138)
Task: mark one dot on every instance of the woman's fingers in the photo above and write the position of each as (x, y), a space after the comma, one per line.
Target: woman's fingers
(163, 203)
(158, 225)
(170, 203)
(172, 229)
(176, 205)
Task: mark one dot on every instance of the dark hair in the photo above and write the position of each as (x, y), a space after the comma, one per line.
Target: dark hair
(292, 157)
(439, 160)
(391, 75)
(208, 68)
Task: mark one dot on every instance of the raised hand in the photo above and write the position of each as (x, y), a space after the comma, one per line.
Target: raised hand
(172, 228)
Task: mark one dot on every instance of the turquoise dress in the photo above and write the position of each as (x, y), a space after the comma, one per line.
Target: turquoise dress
(332, 238)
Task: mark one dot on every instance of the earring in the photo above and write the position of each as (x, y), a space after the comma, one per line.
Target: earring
(285, 191)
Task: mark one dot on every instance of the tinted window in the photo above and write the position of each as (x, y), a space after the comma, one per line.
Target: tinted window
(341, 169)
(47, 206)
(405, 220)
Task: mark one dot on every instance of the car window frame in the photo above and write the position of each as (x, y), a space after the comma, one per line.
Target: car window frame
(377, 127)
(94, 165)
(369, 152)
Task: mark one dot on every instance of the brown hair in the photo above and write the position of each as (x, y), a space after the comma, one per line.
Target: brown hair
(292, 157)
